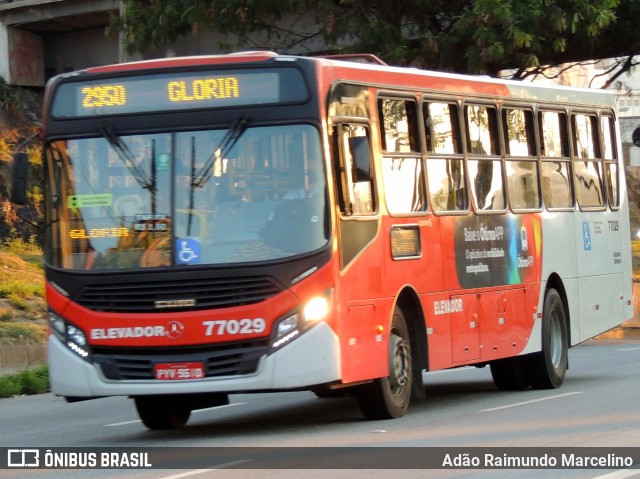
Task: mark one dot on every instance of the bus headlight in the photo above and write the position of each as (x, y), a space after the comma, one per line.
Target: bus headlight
(285, 333)
(317, 308)
(76, 335)
(57, 325)
(298, 321)
(287, 325)
(70, 335)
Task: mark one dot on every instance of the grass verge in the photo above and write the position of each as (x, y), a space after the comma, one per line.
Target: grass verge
(27, 382)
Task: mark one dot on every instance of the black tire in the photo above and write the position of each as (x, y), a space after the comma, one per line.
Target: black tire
(388, 398)
(509, 374)
(546, 369)
(159, 413)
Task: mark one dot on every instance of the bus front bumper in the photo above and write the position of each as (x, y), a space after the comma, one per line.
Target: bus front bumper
(311, 359)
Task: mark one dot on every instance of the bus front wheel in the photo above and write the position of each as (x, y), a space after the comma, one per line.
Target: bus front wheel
(546, 369)
(388, 397)
(162, 412)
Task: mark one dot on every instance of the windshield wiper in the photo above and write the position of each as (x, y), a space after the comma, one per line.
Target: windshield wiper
(226, 144)
(191, 192)
(125, 155)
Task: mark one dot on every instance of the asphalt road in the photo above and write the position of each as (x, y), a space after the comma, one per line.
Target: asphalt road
(597, 406)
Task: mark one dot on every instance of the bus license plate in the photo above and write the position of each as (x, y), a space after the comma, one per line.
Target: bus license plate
(179, 371)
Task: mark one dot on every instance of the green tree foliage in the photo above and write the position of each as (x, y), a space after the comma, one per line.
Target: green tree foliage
(473, 36)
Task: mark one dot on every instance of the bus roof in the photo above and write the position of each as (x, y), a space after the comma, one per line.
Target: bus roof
(350, 68)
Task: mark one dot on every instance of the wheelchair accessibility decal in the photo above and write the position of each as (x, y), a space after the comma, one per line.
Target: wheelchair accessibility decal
(187, 251)
(586, 235)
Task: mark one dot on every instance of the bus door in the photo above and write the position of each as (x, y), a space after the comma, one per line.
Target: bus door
(363, 349)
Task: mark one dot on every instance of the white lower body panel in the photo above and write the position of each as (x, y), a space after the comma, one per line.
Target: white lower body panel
(313, 358)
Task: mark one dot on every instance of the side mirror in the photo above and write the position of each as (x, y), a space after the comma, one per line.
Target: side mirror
(635, 136)
(19, 178)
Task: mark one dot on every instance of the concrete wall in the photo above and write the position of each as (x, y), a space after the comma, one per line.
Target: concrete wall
(40, 38)
(71, 51)
(26, 58)
(4, 48)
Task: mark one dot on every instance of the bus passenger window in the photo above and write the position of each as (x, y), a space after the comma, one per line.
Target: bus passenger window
(523, 184)
(401, 157)
(522, 174)
(485, 173)
(610, 160)
(557, 186)
(518, 131)
(447, 184)
(486, 184)
(612, 184)
(608, 135)
(445, 166)
(398, 125)
(480, 123)
(587, 166)
(553, 134)
(403, 185)
(442, 129)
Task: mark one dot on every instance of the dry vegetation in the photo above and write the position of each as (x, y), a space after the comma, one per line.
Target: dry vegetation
(22, 304)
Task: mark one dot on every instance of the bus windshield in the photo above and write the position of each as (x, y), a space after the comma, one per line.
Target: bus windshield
(178, 199)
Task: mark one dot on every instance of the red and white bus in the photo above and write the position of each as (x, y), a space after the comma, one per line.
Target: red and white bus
(257, 222)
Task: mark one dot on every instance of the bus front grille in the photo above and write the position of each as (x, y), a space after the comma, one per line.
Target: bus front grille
(186, 294)
(231, 359)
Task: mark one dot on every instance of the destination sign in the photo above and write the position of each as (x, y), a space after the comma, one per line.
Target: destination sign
(178, 91)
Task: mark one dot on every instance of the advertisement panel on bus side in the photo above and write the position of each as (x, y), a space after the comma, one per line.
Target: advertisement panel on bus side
(497, 250)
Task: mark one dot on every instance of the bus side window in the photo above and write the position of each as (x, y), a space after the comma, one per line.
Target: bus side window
(355, 174)
(398, 125)
(522, 162)
(587, 165)
(610, 160)
(485, 170)
(401, 156)
(445, 167)
(557, 186)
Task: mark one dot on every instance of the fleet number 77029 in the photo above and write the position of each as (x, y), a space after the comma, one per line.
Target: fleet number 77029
(221, 327)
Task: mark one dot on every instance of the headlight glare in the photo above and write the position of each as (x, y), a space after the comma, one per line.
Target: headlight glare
(316, 309)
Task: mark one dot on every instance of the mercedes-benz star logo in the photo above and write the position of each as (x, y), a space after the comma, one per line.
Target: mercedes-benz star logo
(174, 329)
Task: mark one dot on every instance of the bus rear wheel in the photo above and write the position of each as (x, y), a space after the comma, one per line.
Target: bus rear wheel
(547, 368)
(388, 397)
(162, 412)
